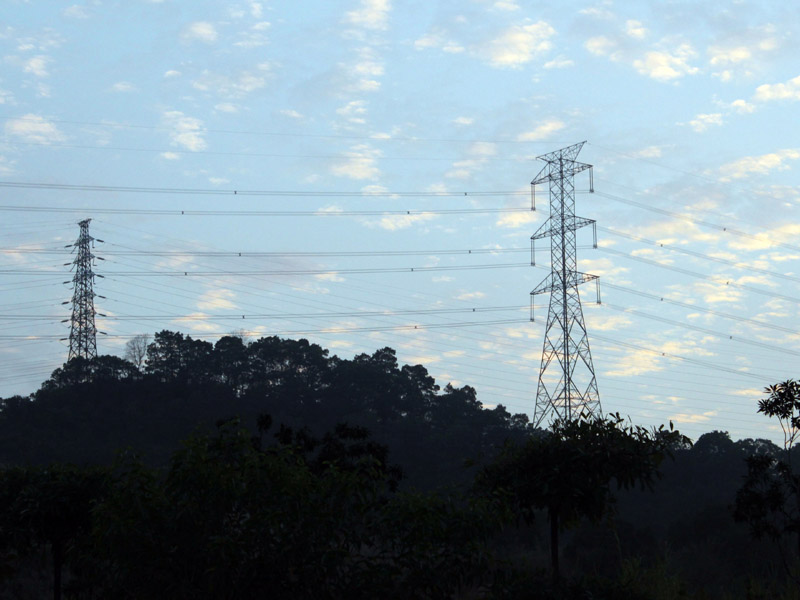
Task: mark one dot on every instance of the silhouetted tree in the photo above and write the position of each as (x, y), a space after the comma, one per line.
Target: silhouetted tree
(569, 471)
(102, 368)
(48, 507)
(769, 499)
(301, 518)
(173, 357)
(136, 350)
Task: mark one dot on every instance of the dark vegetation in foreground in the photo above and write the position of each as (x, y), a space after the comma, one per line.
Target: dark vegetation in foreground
(272, 470)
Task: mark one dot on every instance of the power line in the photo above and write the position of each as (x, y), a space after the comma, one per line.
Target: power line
(237, 192)
(329, 330)
(376, 138)
(282, 254)
(328, 315)
(709, 224)
(717, 259)
(713, 332)
(277, 272)
(264, 213)
(726, 282)
(696, 308)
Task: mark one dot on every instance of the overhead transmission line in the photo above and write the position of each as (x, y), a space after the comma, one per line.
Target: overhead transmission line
(713, 279)
(280, 254)
(255, 132)
(328, 315)
(265, 213)
(686, 251)
(238, 192)
(189, 273)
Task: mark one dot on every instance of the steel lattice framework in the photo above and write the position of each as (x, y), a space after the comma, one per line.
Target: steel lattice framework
(83, 333)
(567, 386)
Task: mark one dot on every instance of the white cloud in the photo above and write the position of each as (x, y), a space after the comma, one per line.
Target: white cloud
(742, 106)
(479, 155)
(665, 66)
(123, 86)
(648, 152)
(197, 321)
(216, 299)
(6, 166)
(226, 107)
(332, 276)
(438, 39)
(471, 296)
(715, 292)
(779, 91)
(506, 5)
(740, 53)
(361, 163)
(602, 46)
(395, 222)
(638, 362)
(201, 31)
(602, 267)
(256, 10)
(542, 131)
(171, 73)
(767, 239)
(519, 45)
(234, 86)
(218, 180)
(34, 129)
(703, 121)
(515, 220)
(36, 65)
(559, 63)
(373, 14)
(600, 322)
(761, 165)
(353, 111)
(186, 132)
(597, 12)
(76, 11)
(662, 65)
(635, 29)
(463, 120)
(364, 71)
(726, 56)
(292, 114)
(483, 149)
(170, 156)
(693, 417)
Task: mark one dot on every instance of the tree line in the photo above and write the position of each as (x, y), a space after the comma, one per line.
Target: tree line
(271, 468)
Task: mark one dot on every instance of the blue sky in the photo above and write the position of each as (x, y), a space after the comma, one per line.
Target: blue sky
(387, 136)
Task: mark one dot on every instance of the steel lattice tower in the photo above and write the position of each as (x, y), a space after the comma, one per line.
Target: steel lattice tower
(83, 333)
(567, 384)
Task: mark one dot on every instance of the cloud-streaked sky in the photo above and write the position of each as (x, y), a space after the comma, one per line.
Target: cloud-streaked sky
(392, 145)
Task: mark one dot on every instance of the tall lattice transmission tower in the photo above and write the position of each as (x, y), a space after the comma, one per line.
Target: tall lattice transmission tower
(567, 386)
(83, 333)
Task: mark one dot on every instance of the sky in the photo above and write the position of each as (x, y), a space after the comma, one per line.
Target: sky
(358, 172)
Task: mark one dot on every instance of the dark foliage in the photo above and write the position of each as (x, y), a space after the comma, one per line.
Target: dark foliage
(165, 500)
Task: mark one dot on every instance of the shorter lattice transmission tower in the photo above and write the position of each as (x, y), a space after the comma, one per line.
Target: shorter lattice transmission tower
(83, 333)
(567, 386)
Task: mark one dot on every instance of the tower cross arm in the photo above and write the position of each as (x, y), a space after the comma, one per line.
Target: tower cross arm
(568, 153)
(547, 229)
(552, 283)
(555, 170)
